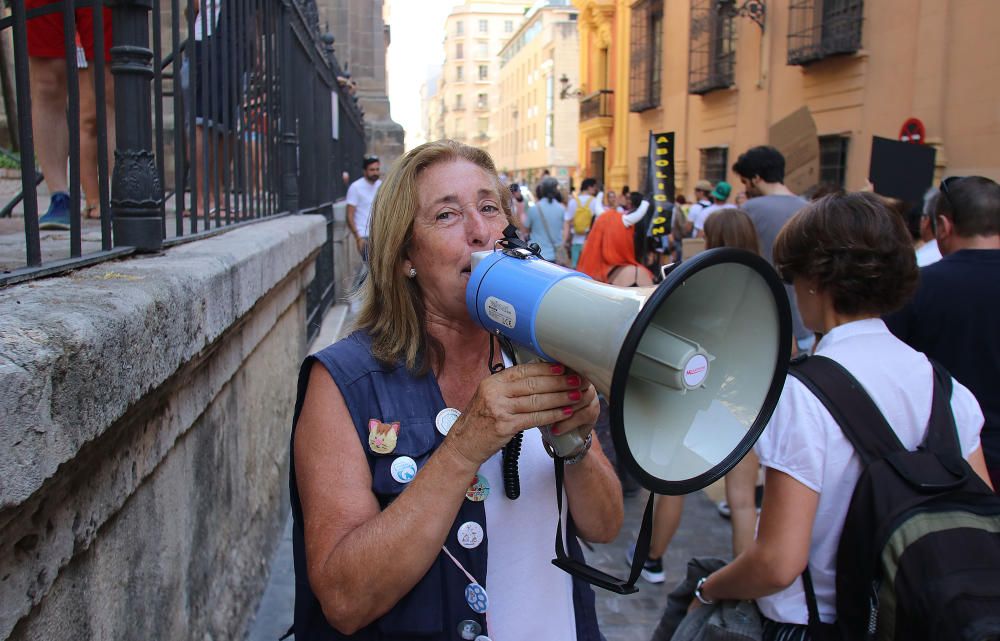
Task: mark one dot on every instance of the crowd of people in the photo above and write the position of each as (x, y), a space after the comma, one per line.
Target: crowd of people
(402, 526)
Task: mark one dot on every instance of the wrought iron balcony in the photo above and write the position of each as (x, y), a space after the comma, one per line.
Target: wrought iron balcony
(597, 105)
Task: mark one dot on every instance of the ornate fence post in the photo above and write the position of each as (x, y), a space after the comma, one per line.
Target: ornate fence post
(136, 192)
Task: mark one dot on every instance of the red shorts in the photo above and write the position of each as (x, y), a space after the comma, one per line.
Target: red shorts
(45, 33)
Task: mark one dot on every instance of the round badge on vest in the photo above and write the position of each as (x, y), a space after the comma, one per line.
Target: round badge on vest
(403, 469)
(483, 637)
(476, 597)
(479, 490)
(445, 419)
(470, 535)
(469, 630)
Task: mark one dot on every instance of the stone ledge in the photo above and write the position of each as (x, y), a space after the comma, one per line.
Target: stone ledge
(76, 352)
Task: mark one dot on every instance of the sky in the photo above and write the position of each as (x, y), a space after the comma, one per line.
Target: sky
(417, 31)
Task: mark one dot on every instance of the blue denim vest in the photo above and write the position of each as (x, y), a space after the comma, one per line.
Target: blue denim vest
(436, 605)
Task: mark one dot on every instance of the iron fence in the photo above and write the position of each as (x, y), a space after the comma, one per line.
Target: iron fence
(219, 113)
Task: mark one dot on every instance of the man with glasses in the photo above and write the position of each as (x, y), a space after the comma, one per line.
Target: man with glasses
(954, 317)
(360, 196)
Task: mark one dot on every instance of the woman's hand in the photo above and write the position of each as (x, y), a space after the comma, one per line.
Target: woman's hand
(518, 398)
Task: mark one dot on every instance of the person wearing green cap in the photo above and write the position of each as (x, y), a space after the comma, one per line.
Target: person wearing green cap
(719, 196)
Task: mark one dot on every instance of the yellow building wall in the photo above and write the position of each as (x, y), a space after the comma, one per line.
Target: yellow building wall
(936, 60)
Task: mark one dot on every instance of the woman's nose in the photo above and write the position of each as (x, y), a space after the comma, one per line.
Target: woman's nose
(476, 228)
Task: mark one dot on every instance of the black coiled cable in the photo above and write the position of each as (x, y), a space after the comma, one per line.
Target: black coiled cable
(512, 450)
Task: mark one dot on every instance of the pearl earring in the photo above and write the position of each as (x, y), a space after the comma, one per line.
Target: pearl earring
(413, 273)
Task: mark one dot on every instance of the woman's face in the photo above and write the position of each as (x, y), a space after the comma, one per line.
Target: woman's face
(459, 213)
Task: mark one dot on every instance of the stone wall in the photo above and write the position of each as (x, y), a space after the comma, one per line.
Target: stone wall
(144, 411)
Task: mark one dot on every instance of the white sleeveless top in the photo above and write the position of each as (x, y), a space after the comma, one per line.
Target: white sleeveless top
(529, 597)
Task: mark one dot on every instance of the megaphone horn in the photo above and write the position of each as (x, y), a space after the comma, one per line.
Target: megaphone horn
(692, 368)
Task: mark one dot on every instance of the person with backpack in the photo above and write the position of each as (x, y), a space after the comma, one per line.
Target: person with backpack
(583, 208)
(850, 261)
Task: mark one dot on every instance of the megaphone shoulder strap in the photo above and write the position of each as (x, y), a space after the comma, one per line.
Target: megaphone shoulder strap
(592, 575)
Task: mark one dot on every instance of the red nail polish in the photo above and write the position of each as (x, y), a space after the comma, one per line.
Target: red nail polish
(557, 369)
(573, 380)
(575, 395)
(567, 411)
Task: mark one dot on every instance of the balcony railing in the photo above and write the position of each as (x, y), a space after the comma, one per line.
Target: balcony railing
(821, 28)
(599, 104)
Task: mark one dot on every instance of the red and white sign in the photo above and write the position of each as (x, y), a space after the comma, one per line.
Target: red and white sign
(913, 131)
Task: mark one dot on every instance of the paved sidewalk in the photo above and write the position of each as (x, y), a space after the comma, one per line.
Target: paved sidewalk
(622, 618)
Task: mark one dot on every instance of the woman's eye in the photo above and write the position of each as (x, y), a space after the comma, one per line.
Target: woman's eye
(444, 215)
(490, 210)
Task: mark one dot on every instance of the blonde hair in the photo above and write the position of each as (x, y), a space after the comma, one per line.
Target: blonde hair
(391, 304)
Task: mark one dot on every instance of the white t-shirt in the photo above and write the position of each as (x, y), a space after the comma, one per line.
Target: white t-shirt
(361, 194)
(204, 24)
(529, 597)
(591, 202)
(696, 214)
(705, 212)
(803, 441)
(928, 253)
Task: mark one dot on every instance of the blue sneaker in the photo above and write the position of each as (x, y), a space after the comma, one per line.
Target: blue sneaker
(57, 217)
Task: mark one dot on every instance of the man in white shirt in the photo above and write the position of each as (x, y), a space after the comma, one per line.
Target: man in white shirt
(719, 196)
(696, 213)
(360, 196)
(589, 199)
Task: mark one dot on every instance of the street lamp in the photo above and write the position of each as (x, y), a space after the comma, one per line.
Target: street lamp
(565, 90)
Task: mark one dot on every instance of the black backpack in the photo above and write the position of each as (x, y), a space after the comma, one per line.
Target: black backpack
(919, 556)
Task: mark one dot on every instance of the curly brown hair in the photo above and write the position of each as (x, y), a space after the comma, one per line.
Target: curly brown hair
(855, 248)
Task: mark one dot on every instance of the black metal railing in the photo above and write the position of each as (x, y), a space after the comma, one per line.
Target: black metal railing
(712, 47)
(599, 104)
(217, 118)
(821, 28)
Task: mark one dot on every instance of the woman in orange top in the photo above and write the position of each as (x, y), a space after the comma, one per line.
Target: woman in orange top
(609, 253)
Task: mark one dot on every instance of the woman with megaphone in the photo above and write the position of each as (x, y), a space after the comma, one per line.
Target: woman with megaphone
(403, 523)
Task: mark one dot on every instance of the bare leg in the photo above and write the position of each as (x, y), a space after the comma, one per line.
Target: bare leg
(741, 482)
(199, 173)
(48, 115)
(88, 134)
(666, 519)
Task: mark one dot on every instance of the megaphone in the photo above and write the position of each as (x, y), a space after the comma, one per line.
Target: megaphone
(692, 368)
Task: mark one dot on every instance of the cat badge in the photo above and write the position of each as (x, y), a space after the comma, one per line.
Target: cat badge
(382, 436)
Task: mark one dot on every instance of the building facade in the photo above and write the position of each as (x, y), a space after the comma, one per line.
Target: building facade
(361, 37)
(536, 115)
(721, 78)
(474, 34)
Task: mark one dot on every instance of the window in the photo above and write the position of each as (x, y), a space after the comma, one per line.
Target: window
(713, 50)
(459, 103)
(646, 53)
(482, 125)
(484, 26)
(821, 28)
(550, 133)
(459, 51)
(482, 101)
(459, 73)
(482, 50)
(714, 162)
(484, 72)
(459, 28)
(832, 160)
(508, 26)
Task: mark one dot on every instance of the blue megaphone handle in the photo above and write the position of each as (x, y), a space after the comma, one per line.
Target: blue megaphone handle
(505, 291)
